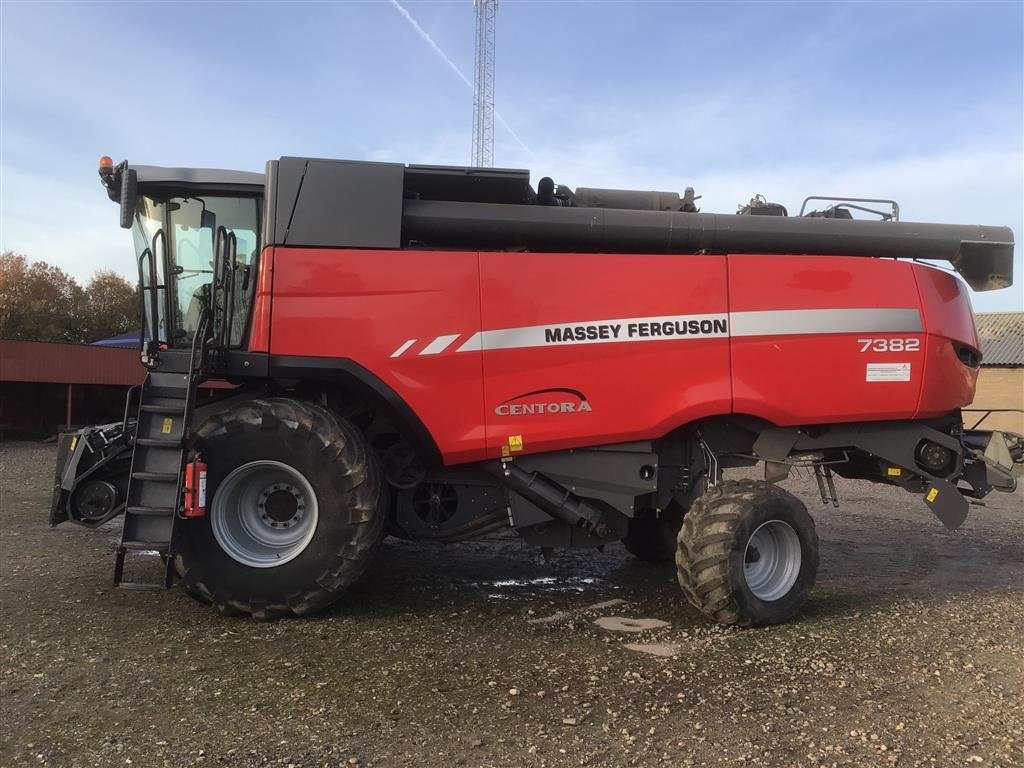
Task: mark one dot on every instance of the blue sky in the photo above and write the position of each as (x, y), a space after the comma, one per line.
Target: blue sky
(920, 102)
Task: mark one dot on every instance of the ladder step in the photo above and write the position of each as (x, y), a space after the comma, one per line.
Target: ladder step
(159, 546)
(138, 586)
(160, 477)
(151, 511)
(164, 408)
(158, 442)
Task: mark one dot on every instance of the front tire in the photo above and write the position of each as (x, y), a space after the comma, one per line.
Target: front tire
(293, 515)
(747, 554)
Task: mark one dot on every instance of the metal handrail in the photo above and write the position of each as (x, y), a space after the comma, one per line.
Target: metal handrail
(128, 406)
(154, 288)
(895, 215)
(142, 299)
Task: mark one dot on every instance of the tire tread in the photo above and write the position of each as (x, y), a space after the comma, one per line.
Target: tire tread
(341, 445)
(706, 541)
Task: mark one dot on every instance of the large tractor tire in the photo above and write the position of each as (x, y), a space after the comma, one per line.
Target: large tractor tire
(294, 510)
(747, 554)
(652, 535)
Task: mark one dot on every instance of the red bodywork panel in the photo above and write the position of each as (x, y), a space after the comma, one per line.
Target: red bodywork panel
(500, 353)
(819, 376)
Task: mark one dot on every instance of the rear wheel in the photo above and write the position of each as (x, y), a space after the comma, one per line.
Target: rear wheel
(293, 516)
(747, 554)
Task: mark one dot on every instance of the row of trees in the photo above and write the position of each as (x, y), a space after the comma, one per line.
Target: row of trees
(40, 302)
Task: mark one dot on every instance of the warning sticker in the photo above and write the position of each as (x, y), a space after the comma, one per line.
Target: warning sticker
(166, 428)
(888, 372)
(515, 442)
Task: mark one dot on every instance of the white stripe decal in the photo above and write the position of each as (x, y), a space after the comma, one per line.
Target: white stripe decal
(776, 322)
(663, 328)
(439, 345)
(398, 352)
(795, 322)
(473, 344)
(683, 327)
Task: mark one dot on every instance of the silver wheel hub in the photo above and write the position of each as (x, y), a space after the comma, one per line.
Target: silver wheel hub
(771, 560)
(264, 514)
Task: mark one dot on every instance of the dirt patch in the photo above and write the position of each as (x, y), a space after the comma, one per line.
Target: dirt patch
(909, 652)
(624, 624)
(664, 650)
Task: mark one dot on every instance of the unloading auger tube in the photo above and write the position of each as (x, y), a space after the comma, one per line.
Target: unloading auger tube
(983, 255)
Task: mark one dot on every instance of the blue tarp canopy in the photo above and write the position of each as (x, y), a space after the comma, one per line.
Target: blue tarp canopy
(126, 339)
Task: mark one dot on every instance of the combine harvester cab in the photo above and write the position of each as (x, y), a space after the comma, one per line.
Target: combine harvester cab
(439, 353)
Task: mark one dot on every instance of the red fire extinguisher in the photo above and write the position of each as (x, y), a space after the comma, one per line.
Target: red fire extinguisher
(195, 488)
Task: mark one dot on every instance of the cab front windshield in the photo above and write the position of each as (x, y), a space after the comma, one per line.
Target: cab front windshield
(179, 233)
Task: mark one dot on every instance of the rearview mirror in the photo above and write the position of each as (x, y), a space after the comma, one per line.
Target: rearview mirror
(129, 196)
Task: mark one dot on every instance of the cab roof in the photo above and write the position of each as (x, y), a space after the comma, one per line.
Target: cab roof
(155, 174)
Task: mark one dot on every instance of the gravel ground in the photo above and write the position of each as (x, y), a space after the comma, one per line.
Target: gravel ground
(910, 652)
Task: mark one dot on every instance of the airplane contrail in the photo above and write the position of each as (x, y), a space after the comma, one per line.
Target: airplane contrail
(454, 67)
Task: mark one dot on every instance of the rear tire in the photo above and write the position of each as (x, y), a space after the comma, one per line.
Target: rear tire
(747, 554)
(295, 546)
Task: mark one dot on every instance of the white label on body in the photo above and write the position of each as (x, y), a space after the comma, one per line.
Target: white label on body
(888, 372)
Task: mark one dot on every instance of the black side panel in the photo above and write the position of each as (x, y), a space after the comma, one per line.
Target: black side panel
(269, 213)
(351, 375)
(479, 185)
(286, 182)
(337, 203)
(893, 441)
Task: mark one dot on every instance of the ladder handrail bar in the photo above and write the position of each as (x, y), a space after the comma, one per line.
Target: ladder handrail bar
(154, 299)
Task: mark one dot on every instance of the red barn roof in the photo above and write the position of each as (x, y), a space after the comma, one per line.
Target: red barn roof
(38, 361)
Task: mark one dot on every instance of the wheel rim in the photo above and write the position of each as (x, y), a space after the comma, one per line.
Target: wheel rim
(771, 561)
(94, 500)
(264, 514)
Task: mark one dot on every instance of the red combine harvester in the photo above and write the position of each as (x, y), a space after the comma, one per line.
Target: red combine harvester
(438, 353)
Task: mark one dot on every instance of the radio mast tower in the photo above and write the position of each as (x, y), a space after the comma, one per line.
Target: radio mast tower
(483, 84)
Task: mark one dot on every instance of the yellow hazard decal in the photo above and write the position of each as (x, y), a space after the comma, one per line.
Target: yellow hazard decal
(166, 428)
(932, 494)
(74, 442)
(894, 472)
(515, 442)
(505, 451)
